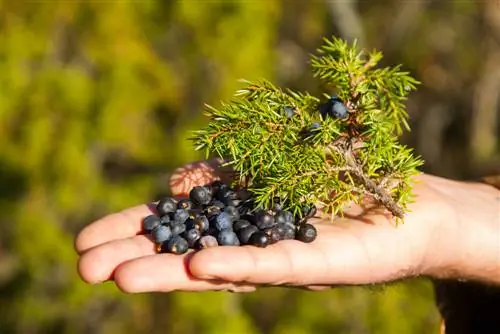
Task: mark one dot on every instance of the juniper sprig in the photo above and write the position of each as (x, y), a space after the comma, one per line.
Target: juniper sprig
(280, 145)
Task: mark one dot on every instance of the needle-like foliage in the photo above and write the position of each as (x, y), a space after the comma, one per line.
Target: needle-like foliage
(280, 146)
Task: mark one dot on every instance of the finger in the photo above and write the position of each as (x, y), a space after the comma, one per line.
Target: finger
(166, 273)
(288, 262)
(116, 226)
(98, 264)
(135, 267)
(357, 254)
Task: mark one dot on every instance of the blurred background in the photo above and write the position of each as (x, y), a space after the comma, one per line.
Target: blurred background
(97, 99)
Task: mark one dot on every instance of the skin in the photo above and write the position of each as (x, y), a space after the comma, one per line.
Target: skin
(452, 231)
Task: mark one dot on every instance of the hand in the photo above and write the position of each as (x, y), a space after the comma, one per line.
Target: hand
(452, 231)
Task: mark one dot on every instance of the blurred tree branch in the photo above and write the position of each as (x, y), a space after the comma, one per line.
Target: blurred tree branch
(347, 20)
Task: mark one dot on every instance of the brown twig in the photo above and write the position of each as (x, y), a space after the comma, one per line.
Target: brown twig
(378, 192)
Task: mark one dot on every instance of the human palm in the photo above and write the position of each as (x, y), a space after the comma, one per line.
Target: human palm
(364, 247)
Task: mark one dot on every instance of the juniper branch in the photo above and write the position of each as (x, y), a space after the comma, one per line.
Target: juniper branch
(278, 154)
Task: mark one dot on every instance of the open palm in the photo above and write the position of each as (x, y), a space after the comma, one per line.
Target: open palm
(365, 247)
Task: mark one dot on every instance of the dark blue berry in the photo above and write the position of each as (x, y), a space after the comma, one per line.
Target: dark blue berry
(195, 212)
(224, 221)
(213, 231)
(166, 205)
(314, 126)
(207, 241)
(165, 220)
(259, 239)
(289, 111)
(312, 211)
(150, 222)
(228, 197)
(284, 217)
(190, 224)
(334, 107)
(216, 203)
(213, 210)
(245, 233)
(264, 219)
(185, 204)
(192, 237)
(287, 231)
(306, 233)
(215, 186)
(201, 223)
(274, 234)
(233, 202)
(233, 212)
(242, 223)
(177, 228)
(180, 216)
(177, 245)
(200, 195)
(228, 238)
(161, 233)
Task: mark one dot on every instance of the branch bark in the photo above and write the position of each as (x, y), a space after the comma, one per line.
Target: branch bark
(378, 192)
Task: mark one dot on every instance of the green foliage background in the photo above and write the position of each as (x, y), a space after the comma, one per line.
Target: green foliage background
(98, 98)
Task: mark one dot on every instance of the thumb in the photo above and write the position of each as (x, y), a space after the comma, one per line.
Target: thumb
(199, 173)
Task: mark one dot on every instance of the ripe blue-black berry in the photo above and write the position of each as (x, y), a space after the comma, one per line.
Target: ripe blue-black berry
(166, 205)
(264, 219)
(201, 223)
(259, 239)
(177, 228)
(180, 216)
(228, 238)
(212, 210)
(314, 126)
(215, 186)
(312, 211)
(161, 233)
(308, 210)
(190, 224)
(185, 204)
(223, 221)
(228, 197)
(200, 195)
(334, 107)
(284, 217)
(245, 233)
(289, 111)
(177, 245)
(216, 203)
(274, 234)
(165, 219)
(233, 212)
(239, 224)
(195, 212)
(287, 231)
(192, 237)
(150, 222)
(306, 233)
(207, 241)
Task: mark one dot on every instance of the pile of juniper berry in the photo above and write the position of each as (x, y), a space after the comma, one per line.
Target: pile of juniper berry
(218, 215)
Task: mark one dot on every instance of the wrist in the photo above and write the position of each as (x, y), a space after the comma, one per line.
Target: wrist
(469, 239)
